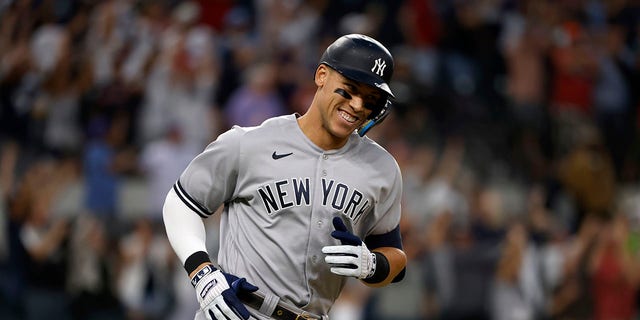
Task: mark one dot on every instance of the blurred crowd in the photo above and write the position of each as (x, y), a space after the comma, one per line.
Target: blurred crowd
(515, 126)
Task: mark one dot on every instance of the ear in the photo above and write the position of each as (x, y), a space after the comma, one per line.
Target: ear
(322, 73)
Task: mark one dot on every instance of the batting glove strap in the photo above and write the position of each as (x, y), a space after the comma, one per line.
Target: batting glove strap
(382, 269)
(209, 285)
(371, 265)
(351, 261)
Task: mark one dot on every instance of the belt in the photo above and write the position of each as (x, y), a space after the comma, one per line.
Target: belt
(281, 311)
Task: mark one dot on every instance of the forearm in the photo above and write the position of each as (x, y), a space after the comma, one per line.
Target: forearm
(41, 250)
(185, 229)
(396, 261)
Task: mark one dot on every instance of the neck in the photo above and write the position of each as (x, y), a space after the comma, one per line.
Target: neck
(320, 136)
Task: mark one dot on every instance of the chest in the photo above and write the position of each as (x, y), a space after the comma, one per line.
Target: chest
(291, 180)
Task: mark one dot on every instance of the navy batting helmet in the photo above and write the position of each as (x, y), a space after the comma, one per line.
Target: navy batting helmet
(365, 60)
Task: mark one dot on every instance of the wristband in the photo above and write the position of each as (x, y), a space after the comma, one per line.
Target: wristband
(381, 271)
(195, 260)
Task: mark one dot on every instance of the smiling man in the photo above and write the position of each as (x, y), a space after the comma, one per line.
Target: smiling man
(308, 200)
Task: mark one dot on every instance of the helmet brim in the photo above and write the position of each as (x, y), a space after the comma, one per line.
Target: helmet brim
(363, 77)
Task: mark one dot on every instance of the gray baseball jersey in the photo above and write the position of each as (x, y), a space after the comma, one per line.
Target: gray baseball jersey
(280, 193)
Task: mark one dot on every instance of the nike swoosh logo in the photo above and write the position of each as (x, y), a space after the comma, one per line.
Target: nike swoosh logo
(276, 156)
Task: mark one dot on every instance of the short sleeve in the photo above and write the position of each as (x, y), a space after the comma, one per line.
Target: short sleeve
(210, 179)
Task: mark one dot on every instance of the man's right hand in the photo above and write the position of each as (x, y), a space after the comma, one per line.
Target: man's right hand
(217, 294)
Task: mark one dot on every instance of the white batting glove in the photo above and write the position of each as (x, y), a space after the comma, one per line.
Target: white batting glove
(217, 300)
(352, 258)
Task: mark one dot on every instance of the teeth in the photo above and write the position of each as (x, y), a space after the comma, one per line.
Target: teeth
(347, 117)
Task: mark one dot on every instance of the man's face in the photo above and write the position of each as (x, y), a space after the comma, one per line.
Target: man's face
(344, 104)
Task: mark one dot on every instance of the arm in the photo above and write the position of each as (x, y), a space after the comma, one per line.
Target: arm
(216, 291)
(185, 231)
(397, 262)
(41, 249)
(389, 245)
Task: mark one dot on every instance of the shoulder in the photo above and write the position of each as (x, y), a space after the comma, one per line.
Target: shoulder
(375, 153)
(376, 161)
(236, 133)
(284, 121)
(272, 124)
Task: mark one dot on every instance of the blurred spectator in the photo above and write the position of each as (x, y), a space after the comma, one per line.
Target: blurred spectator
(149, 25)
(143, 284)
(59, 101)
(517, 292)
(161, 162)
(257, 99)
(45, 241)
(421, 26)
(107, 37)
(525, 42)
(587, 174)
(615, 272)
(459, 267)
(573, 73)
(182, 82)
(571, 298)
(92, 271)
(613, 94)
(238, 50)
(289, 24)
(105, 160)
(408, 300)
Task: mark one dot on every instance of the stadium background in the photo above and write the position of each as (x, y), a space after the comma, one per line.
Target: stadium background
(516, 128)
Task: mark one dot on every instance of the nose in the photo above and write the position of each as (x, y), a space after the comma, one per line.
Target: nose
(356, 102)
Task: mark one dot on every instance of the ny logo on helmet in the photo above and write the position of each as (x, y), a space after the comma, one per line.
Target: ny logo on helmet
(379, 66)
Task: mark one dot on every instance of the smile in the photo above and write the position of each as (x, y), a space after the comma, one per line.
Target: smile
(347, 117)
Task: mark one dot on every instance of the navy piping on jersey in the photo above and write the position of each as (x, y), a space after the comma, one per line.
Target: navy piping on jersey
(193, 205)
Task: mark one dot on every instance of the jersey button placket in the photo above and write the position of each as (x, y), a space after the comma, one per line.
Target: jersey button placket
(319, 223)
(324, 171)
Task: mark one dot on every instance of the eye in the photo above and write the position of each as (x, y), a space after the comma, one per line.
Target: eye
(371, 106)
(343, 93)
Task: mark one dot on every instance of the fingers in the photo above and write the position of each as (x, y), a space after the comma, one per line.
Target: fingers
(342, 261)
(346, 238)
(216, 292)
(243, 285)
(234, 303)
(343, 234)
(215, 314)
(345, 272)
(343, 265)
(349, 260)
(338, 224)
(220, 310)
(351, 250)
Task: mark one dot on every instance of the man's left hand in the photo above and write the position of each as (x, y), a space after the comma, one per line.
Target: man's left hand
(352, 258)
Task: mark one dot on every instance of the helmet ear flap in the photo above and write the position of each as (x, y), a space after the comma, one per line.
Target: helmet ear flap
(384, 112)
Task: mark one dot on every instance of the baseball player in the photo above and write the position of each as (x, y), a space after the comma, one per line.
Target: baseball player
(308, 200)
